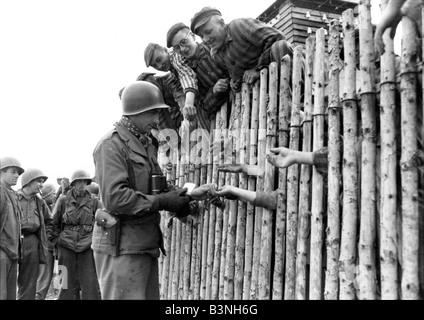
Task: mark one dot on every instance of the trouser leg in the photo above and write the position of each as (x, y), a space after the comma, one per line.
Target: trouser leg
(136, 277)
(45, 276)
(67, 273)
(28, 268)
(87, 275)
(8, 277)
(105, 275)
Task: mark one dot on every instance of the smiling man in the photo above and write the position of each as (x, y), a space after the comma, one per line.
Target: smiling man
(243, 47)
(165, 60)
(35, 218)
(213, 80)
(10, 227)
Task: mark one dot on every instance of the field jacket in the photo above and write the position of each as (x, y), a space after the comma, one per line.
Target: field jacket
(124, 167)
(10, 222)
(73, 219)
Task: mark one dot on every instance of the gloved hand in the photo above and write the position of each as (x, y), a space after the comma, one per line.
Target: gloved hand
(172, 201)
(191, 208)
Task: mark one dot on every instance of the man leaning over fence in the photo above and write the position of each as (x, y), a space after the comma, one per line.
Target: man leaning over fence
(243, 47)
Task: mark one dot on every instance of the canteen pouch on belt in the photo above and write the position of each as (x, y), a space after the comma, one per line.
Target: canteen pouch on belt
(104, 218)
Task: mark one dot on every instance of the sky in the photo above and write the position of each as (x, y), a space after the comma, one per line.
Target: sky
(63, 62)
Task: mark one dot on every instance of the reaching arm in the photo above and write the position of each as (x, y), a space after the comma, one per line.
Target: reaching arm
(389, 19)
(285, 157)
(234, 193)
(249, 169)
(188, 80)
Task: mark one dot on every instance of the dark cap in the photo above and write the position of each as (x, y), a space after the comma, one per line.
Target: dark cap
(149, 51)
(202, 17)
(173, 31)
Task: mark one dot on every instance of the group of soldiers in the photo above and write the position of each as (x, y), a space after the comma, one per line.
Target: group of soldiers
(34, 219)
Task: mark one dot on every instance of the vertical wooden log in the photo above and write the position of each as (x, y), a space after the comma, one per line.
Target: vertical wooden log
(213, 178)
(206, 172)
(194, 259)
(167, 232)
(226, 179)
(263, 92)
(350, 163)
(253, 153)
(388, 192)
(283, 141)
(184, 173)
(317, 225)
(420, 128)
(219, 225)
(181, 280)
(176, 283)
(195, 223)
(171, 261)
(176, 273)
(161, 257)
(172, 258)
(184, 282)
(191, 225)
(198, 256)
(188, 247)
(305, 178)
(224, 235)
(161, 162)
(201, 150)
(242, 206)
(267, 215)
(409, 172)
(367, 234)
(334, 177)
(234, 129)
(293, 179)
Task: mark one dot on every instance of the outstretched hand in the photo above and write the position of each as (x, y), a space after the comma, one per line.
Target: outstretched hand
(282, 157)
(203, 192)
(226, 191)
(390, 18)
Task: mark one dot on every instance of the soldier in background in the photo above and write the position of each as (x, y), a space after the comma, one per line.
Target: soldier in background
(73, 218)
(10, 227)
(36, 223)
(93, 188)
(64, 186)
(45, 271)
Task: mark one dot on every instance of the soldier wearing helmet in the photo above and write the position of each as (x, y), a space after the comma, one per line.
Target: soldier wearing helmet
(45, 271)
(73, 217)
(10, 227)
(93, 188)
(35, 228)
(126, 165)
(65, 186)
